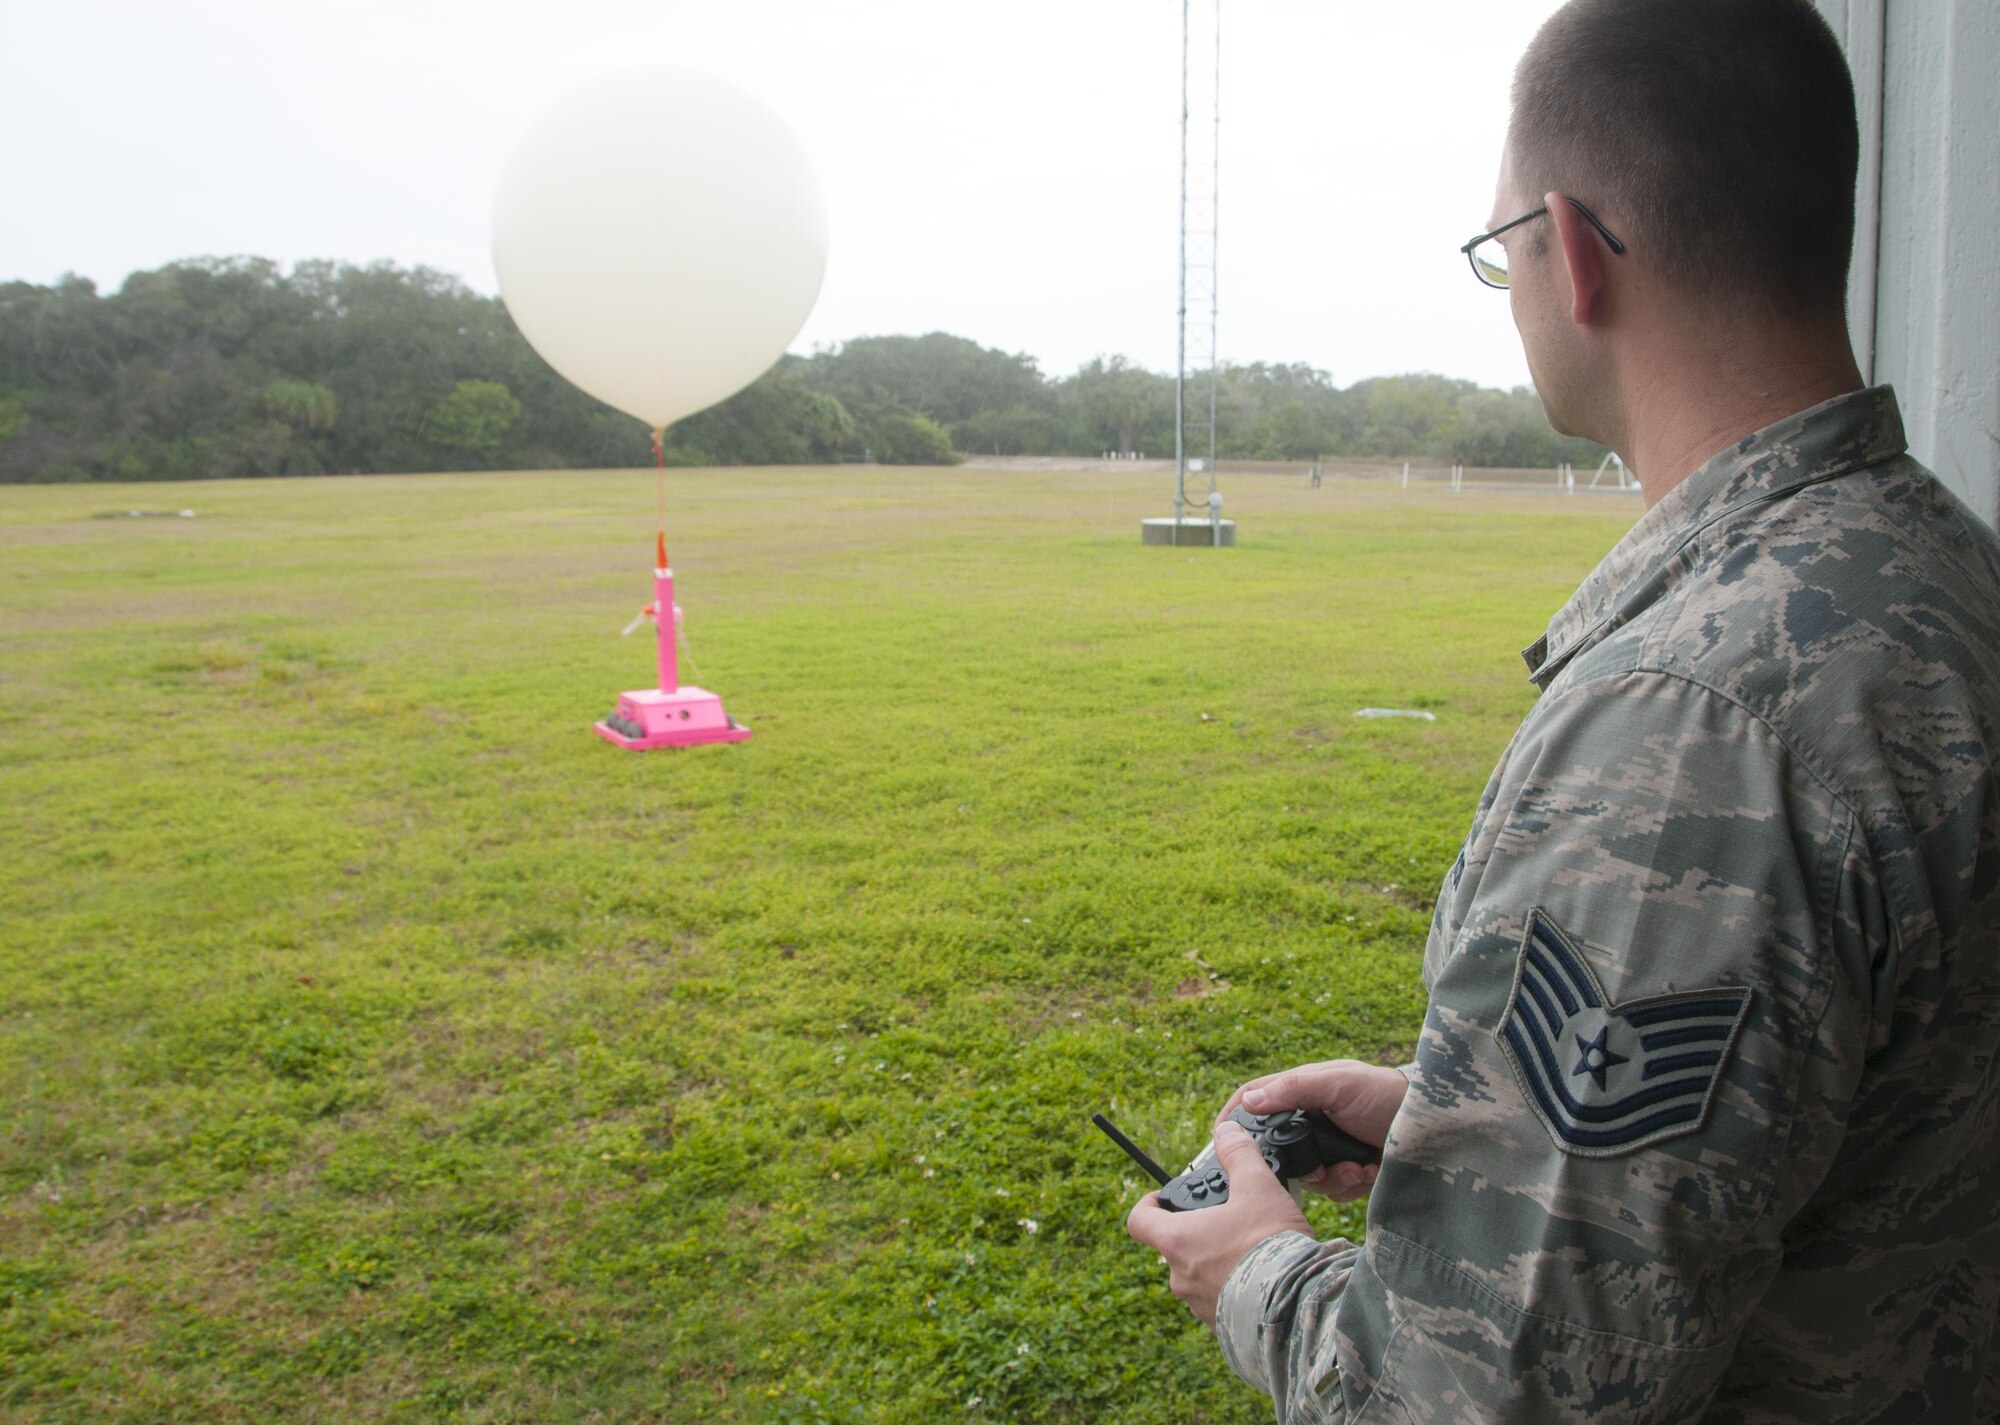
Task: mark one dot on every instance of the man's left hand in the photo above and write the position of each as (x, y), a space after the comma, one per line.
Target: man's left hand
(1203, 1247)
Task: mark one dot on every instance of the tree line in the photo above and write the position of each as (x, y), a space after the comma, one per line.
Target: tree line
(235, 367)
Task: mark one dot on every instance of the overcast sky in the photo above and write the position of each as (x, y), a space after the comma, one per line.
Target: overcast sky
(1004, 171)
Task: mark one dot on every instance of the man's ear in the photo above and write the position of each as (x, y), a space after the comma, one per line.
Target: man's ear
(1583, 257)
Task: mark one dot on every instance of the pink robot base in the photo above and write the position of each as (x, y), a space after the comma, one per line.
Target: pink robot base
(686, 717)
(675, 714)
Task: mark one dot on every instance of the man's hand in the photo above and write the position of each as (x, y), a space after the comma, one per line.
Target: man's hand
(1203, 1247)
(1361, 1099)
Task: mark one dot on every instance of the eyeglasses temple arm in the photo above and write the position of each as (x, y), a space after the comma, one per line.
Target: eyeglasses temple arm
(1602, 231)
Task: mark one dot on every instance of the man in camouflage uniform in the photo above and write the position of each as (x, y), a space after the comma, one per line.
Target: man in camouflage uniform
(1705, 1117)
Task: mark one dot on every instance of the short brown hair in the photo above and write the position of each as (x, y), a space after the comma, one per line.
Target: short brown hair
(1722, 132)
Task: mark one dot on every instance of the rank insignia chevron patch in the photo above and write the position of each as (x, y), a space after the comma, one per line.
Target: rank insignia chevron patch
(1607, 1078)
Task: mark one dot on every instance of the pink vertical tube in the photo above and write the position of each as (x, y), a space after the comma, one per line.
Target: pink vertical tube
(663, 601)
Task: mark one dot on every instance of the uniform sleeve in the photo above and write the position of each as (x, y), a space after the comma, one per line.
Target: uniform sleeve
(1273, 1322)
(1644, 1031)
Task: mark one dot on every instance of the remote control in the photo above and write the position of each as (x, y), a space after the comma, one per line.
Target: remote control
(1294, 1142)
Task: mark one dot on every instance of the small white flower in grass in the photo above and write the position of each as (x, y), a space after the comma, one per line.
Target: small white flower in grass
(972, 1402)
(1030, 1226)
(972, 1261)
(930, 1172)
(999, 1192)
(1022, 1349)
(920, 1157)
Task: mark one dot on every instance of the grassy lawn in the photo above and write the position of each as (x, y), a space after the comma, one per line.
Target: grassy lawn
(378, 1044)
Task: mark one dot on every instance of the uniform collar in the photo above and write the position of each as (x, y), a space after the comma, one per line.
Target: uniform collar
(1850, 432)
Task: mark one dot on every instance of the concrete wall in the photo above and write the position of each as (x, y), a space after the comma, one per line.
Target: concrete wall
(1925, 296)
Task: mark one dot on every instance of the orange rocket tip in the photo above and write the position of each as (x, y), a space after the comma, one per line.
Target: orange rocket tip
(662, 562)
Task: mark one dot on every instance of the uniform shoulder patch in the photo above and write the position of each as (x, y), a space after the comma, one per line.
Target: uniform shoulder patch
(1608, 1078)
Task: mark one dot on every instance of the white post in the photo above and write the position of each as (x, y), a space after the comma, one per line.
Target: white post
(1406, 474)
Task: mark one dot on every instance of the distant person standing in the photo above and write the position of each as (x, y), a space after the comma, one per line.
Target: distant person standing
(1704, 1122)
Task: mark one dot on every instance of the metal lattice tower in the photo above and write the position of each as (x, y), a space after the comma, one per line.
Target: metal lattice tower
(1201, 129)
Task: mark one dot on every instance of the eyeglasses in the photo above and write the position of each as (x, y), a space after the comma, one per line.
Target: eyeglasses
(1490, 266)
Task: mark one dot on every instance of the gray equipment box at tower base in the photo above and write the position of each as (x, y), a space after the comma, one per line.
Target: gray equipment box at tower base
(1188, 532)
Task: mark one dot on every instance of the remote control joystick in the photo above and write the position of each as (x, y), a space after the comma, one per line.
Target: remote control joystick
(1294, 1142)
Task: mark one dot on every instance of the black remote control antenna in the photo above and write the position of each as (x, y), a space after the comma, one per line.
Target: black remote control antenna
(1132, 1150)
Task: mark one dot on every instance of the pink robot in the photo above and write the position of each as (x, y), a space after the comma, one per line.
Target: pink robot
(675, 714)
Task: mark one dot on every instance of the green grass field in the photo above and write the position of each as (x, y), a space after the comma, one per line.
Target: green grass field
(378, 1044)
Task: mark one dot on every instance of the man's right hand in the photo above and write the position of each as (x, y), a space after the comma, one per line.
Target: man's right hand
(1360, 1098)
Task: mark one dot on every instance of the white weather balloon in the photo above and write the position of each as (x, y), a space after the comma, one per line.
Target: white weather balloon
(660, 239)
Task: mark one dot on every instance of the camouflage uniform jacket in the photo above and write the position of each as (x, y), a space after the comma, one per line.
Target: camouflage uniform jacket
(1704, 1121)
